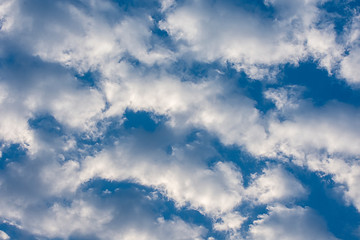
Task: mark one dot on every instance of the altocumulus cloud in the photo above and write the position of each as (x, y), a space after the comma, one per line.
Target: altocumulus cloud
(179, 119)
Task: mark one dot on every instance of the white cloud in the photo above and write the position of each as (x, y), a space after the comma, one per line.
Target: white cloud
(222, 31)
(42, 205)
(7, 9)
(212, 191)
(306, 129)
(207, 104)
(44, 90)
(217, 32)
(274, 185)
(166, 4)
(230, 221)
(61, 221)
(4, 236)
(349, 66)
(295, 223)
(344, 171)
(285, 98)
(13, 123)
(83, 218)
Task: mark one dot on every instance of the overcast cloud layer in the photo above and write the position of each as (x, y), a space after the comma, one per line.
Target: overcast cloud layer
(188, 119)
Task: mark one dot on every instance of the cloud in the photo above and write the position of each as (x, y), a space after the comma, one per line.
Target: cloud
(44, 198)
(230, 221)
(289, 223)
(43, 88)
(344, 171)
(349, 65)
(4, 236)
(206, 105)
(251, 40)
(85, 218)
(286, 98)
(211, 191)
(331, 128)
(274, 185)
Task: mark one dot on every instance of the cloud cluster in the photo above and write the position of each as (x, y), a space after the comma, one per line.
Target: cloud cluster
(284, 32)
(62, 127)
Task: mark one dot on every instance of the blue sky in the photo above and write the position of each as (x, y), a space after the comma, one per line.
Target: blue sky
(188, 119)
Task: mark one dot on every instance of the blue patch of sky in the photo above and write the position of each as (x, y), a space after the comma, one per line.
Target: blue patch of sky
(141, 119)
(340, 13)
(15, 233)
(320, 87)
(247, 164)
(11, 153)
(141, 126)
(324, 198)
(88, 79)
(136, 7)
(253, 213)
(47, 125)
(131, 60)
(253, 89)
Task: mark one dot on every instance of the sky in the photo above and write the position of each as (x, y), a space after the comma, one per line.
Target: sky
(179, 119)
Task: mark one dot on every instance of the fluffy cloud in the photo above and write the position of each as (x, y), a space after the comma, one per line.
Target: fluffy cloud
(331, 128)
(45, 49)
(289, 223)
(344, 171)
(275, 185)
(86, 217)
(348, 66)
(215, 31)
(213, 191)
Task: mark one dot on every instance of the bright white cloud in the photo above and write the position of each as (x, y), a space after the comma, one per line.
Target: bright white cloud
(212, 191)
(349, 66)
(252, 42)
(285, 99)
(275, 185)
(13, 123)
(230, 221)
(289, 223)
